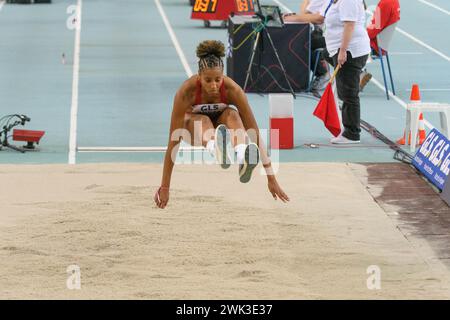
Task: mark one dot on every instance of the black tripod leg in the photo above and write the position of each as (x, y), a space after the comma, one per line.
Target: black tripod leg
(14, 148)
(281, 64)
(249, 70)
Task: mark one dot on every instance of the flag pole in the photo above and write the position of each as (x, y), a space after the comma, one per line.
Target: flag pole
(334, 74)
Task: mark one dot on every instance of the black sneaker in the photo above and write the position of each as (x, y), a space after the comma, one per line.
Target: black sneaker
(222, 141)
(251, 161)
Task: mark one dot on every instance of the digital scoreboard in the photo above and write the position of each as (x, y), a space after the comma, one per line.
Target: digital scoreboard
(221, 9)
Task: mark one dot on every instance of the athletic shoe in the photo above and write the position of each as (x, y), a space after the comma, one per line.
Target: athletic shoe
(320, 83)
(364, 80)
(222, 142)
(344, 140)
(251, 160)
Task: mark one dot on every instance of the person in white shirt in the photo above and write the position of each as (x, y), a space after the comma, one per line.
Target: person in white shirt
(348, 45)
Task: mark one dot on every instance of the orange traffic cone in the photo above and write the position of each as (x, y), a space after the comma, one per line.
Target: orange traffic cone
(402, 140)
(415, 98)
(415, 94)
(422, 132)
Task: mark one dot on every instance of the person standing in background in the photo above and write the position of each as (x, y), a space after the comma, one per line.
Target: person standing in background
(348, 45)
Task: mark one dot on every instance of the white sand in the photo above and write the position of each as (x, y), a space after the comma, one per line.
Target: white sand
(218, 238)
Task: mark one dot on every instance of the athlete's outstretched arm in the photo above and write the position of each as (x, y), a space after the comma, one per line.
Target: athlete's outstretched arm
(181, 103)
(239, 99)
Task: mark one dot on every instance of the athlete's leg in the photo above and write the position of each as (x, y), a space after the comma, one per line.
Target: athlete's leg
(247, 153)
(202, 133)
(200, 128)
(233, 121)
(239, 138)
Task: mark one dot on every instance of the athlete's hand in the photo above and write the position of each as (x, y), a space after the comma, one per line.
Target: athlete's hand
(162, 197)
(276, 190)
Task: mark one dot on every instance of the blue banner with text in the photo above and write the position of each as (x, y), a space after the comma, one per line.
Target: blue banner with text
(433, 158)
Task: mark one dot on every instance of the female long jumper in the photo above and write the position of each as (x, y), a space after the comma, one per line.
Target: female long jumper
(213, 111)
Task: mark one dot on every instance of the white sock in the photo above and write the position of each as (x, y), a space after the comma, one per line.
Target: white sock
(211, 147)
(240, 153)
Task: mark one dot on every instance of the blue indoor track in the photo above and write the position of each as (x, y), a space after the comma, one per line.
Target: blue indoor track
(130, 70)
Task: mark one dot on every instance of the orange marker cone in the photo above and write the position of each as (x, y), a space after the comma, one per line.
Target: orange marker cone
(402, 140)
(415, 93)
(422, 132)
(415, 98)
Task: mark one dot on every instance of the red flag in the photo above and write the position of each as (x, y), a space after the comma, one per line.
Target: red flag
(326, 111)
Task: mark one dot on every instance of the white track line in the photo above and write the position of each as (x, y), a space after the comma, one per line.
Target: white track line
(189, 73)
(2, 3)
(75, 81)
(423, 44)
(397, 99)
(435, 6)
(180, 52)
(136, 149)
(405, 53)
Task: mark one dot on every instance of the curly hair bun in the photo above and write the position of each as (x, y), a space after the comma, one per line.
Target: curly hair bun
(210, 47)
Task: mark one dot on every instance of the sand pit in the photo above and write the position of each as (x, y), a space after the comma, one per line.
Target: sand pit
(218, 239)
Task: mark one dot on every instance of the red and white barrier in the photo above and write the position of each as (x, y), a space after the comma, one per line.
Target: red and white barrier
(281, 115)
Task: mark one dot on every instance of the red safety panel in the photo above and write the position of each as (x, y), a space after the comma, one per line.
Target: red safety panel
(27, 135)
(285, 128)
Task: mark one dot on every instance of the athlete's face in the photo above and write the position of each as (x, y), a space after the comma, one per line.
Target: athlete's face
(211, 80)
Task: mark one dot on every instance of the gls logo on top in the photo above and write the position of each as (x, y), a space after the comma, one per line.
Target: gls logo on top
(210, 108)
(433, 158)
